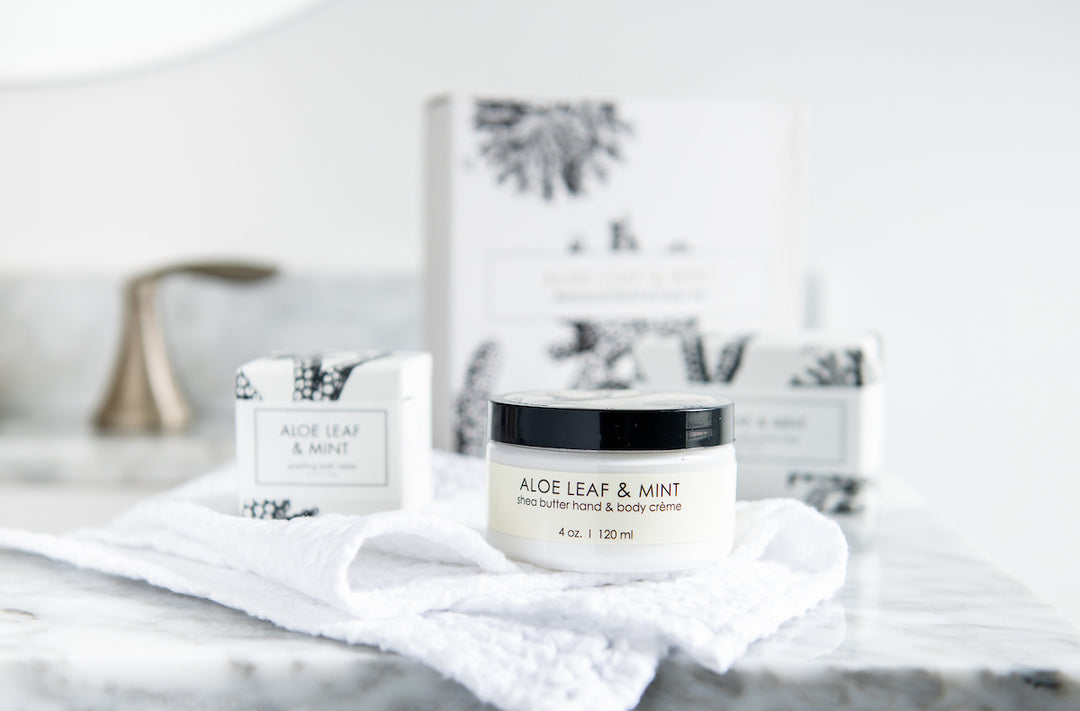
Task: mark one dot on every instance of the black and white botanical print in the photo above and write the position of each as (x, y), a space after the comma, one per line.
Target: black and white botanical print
(829, 493)
(693, 350)
(620, 238)
(272, 508)
(545, 147)
(471, 403)
(834, 368)
(731, 357)
(695, 360)
(244, 389)
(602, 349)
(314, 381)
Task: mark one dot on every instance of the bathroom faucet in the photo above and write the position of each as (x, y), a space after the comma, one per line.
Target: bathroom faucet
(144, 394)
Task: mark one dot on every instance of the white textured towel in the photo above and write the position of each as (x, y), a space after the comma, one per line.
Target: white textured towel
(427, 585)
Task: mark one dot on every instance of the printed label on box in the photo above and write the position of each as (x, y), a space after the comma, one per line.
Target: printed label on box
(794, 430)
(543, 285)
(320, 447)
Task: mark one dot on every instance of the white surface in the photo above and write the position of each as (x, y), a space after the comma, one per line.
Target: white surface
(427, 586)
(944, 153)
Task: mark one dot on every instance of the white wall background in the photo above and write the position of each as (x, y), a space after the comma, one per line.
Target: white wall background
(945, 188)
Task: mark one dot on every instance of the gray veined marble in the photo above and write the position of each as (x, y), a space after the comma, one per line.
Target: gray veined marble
(72, 639)
(924, 622)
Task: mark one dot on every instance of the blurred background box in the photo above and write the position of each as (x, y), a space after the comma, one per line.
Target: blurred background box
(562, 230)
(809, 409)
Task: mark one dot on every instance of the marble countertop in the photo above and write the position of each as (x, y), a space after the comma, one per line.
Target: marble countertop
(925, 621)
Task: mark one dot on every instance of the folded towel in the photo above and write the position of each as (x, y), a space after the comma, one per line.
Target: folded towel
(427, 585)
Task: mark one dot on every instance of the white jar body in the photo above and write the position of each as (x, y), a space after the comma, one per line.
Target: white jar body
(605, 511)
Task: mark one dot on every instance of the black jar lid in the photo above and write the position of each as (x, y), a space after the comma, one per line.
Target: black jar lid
(612, 420)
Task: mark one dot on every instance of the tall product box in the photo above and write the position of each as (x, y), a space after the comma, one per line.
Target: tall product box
(560, 232)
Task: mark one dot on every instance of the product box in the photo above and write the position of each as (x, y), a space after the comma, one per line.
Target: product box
(809, 407)
(346, 432)
(562, 231)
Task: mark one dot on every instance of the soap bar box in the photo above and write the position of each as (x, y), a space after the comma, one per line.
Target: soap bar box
(562, 230)
(809, 408)
(347, 432)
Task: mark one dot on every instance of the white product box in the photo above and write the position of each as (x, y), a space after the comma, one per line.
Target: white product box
(560, 232)
(809, 407)
(345, 432)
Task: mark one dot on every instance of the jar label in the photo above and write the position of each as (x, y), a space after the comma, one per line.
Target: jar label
(612, 508)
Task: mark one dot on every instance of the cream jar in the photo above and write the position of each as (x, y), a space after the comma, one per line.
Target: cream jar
(611, 480)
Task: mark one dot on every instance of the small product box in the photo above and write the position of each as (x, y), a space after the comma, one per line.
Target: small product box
(347, 432)
(809, 408)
